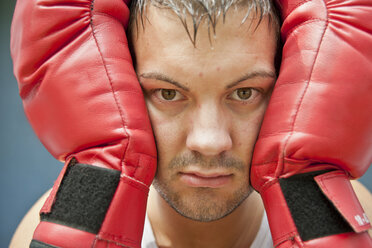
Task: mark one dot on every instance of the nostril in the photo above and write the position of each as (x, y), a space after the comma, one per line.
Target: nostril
(209, 142)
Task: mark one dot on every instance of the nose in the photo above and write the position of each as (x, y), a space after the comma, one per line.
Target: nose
(209, 132)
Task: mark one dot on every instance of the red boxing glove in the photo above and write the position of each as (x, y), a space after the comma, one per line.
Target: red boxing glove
(81, 96)
(317, 131)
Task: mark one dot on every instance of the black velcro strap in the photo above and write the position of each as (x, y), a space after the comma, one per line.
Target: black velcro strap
(314, 215)
(83, 197)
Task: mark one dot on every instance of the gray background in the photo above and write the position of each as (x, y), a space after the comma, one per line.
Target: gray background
(27, 169)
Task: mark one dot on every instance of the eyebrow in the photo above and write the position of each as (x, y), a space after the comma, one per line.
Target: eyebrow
(162, 77)
(253, 74)
(249, 75)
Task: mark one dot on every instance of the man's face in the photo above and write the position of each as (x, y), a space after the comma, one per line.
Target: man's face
(206, 104)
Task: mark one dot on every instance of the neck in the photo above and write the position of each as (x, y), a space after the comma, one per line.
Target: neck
(238, 229)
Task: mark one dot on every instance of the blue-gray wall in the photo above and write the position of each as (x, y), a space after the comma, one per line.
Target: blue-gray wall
(27, 169)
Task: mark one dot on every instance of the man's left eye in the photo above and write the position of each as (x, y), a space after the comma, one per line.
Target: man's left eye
(242, 94)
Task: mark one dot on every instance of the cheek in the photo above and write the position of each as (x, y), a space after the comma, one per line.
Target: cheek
(168, 135)
(246, 131)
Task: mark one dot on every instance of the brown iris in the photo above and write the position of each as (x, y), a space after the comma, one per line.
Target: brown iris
(244, 93)
(168, 94)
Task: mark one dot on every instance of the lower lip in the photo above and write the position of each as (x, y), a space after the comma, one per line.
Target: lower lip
(193, 180)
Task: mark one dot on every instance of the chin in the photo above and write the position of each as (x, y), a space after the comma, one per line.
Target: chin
(202, 204)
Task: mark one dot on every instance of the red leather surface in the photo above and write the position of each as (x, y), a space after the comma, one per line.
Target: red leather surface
(319, 116)
(82, 97)
(281, 224)
(77, 81)
(125, 217)
(319, 112)
(336, 186)
(63, 236)
(345, 240)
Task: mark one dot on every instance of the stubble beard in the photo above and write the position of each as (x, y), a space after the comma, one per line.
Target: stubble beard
(203, 204)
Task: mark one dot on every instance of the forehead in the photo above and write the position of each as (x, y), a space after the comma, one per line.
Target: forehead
(163, 43)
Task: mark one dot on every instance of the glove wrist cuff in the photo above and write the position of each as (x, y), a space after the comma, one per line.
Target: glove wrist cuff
(281, 224)
(95, 201)
(299, 210)
(125, 217)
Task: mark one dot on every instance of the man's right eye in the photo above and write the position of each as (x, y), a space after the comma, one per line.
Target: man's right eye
(168, 94)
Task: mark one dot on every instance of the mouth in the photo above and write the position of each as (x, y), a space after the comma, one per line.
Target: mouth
(206, 179)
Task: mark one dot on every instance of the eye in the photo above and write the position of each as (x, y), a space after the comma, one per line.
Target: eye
(242, 94)
(168, 94)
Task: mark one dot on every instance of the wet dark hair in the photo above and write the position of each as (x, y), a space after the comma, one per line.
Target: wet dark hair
(205, 10)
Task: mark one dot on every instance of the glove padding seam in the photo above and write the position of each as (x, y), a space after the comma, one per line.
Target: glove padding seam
(280, 166)
(296, 6)
(136, 183)
(286, 237)
(114, 242)
(289, 161)
(111, 85)
(309, 21)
